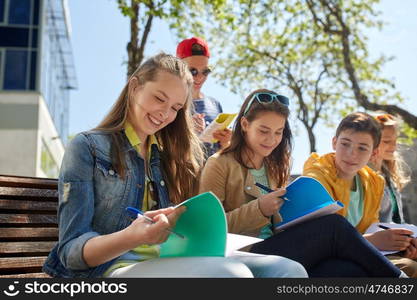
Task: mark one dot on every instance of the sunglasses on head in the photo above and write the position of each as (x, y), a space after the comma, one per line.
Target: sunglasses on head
(195, 72)
(266, 97)
(384, 118)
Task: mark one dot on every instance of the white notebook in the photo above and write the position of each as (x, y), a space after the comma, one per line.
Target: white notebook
(374, 228)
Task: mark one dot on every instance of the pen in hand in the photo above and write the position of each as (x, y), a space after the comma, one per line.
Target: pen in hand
(388, 228)
(267, 189)
(134, 213)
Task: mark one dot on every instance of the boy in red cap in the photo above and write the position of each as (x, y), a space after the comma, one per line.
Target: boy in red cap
(195, 53)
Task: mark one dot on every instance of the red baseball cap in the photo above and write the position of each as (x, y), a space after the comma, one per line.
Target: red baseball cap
(184, 49)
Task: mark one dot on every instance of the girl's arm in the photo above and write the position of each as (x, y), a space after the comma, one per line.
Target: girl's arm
(76, 202)
(103, 248)
(247, 217)
(80, 246)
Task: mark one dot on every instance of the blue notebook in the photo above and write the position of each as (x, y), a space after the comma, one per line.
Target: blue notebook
(308, 199)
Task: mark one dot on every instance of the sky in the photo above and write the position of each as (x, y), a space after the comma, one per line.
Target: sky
(99, 35)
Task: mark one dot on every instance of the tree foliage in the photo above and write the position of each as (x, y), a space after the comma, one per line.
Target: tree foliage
(269, 44)
(316, 51)
(142, 14)
(345, 21)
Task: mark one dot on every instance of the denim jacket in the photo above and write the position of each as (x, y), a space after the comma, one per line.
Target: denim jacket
(93, 198)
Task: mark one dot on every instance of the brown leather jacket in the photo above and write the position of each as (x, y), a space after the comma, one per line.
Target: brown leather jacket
(234, 185)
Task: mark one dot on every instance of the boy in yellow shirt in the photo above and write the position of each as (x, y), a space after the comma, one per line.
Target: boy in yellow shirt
(346, 176)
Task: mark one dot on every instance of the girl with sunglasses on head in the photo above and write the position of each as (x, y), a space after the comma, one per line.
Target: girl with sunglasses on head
(260, 152)
(389, 163)
(196, 54)
(143, 154)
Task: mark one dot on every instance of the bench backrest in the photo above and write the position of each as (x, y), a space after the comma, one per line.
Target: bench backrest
(28, 224)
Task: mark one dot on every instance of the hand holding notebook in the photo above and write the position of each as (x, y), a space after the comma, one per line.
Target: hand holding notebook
(204, 227)
(306, 199)
(221, 122)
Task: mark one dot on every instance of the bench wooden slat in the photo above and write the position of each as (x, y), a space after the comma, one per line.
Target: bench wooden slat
(28, 225)
(27, 192)
(28, 219)
(26, 247)
(48, 232)
(27, 275)
(22, 262)
(20, 181)
(28, 205)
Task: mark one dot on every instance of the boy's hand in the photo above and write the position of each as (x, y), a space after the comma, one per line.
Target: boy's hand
(199, 122)
(223, 136)
(270, 204)
(411, 251)
(394, 239)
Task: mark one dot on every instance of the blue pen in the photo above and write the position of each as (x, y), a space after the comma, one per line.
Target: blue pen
(267, 189)
(134, 213)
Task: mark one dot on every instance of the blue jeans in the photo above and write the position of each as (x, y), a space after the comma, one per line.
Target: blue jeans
(329, 247)
(262, 266)
(271, 266)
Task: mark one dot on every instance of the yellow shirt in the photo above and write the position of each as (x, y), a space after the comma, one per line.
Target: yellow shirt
(135, 141)
(323, 168)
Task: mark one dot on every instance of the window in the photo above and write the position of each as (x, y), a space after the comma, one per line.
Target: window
(34, 38)
(14, 37)
(35, 20)
(2, 3)
(15, 70)
(32, 79)
(1, 68)
(19, 12)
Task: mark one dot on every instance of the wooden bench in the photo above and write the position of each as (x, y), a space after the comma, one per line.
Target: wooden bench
(28, 224)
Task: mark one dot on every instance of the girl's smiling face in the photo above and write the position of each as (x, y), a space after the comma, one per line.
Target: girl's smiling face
(388, 144)
(156, 104)
(264, 133)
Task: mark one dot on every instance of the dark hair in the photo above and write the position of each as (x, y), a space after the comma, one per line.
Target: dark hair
(197, 49)
(361, 122)
(278, 163)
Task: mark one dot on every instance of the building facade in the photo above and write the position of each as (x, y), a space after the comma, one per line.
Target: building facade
(36, 76)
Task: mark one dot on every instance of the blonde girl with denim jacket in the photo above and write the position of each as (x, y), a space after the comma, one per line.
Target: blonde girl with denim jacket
(143, 154)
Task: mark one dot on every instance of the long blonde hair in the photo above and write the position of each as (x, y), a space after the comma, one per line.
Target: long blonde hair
(393, 170)
(182, 156)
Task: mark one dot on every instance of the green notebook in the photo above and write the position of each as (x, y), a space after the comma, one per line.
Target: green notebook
(204, 227)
